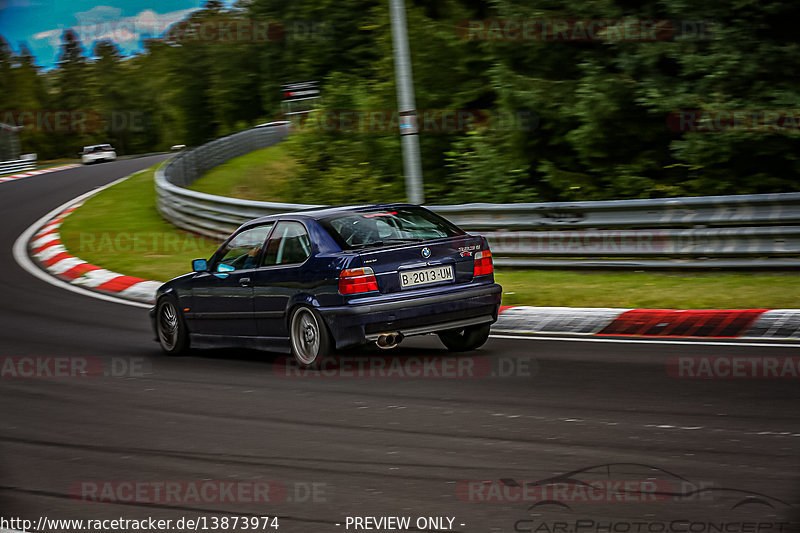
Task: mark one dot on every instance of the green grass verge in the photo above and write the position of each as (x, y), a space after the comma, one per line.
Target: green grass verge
(260, 175)
(120, 229)
(650, 289)
(57, 162)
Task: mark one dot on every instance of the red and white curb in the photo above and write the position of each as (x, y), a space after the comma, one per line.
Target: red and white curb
(35, 173)
(702, 323)
(48, 250)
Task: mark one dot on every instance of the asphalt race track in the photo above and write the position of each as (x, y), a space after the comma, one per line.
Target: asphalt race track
(332, 445)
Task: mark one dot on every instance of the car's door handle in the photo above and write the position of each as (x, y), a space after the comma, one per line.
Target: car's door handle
(245, 282)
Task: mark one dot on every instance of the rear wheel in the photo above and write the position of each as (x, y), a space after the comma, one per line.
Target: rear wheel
(465, 339)
(311, 341)
(172, 333)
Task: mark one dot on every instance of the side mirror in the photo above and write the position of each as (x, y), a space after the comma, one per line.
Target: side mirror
(199, 265)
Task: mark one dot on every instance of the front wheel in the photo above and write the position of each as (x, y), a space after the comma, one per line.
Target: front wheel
(465, 339)
(172, 333)
(311, 341)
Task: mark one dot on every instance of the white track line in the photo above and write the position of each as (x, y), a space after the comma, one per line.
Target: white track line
(646, 341)
(20, 252)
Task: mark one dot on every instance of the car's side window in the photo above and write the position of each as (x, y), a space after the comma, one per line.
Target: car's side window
(290, 244)
(244, 250)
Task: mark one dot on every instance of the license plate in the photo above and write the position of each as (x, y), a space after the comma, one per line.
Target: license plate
(424, 276)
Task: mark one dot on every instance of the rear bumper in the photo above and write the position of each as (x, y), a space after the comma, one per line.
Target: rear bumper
(448, 308)
(88, 160)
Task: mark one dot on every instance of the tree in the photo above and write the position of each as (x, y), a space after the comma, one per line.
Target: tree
(29, 93)
(6, 82)
(595, 114)
(71, 93)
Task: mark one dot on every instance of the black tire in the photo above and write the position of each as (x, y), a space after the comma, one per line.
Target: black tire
(465, 339)
(173, 336)
(309, 337)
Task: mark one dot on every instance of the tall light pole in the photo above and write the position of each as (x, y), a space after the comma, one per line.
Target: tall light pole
(405, 103)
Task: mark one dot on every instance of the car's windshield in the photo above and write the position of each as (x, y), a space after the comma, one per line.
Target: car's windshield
(383, 226)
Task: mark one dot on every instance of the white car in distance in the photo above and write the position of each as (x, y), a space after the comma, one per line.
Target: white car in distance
(98, 153)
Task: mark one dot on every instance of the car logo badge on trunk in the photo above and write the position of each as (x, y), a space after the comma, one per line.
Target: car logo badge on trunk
(426, 252)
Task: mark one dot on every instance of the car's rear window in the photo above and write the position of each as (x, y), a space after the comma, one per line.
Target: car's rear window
(387, 226)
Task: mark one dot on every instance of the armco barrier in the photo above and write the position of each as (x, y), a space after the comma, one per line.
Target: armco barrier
(736, 232)
(17, 165)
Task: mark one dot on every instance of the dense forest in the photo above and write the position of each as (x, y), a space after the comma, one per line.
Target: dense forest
(594, 118)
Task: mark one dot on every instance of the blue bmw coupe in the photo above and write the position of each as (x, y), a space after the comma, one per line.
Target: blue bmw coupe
(311, 282)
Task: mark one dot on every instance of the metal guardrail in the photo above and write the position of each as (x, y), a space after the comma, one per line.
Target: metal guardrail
(17, 165)
(736, 232)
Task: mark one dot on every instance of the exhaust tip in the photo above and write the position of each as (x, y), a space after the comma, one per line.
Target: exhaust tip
(387, 341)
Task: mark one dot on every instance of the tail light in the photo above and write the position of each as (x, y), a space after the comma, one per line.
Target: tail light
(483, 264)
(357, 281)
